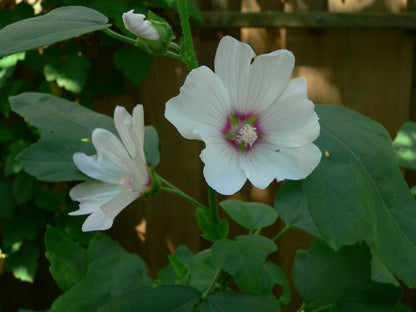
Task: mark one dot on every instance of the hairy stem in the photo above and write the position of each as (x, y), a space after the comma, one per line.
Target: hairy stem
(189, 57)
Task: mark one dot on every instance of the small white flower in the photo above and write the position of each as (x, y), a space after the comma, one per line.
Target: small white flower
(256, 124)
(119, 167)
(135, 23)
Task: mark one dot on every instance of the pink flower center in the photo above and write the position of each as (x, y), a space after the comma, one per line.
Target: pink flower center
(242, 131)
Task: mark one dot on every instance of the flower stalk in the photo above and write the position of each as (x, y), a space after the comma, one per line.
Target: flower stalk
(189, 56)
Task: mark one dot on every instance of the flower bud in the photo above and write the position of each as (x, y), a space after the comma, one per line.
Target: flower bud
(136, 24)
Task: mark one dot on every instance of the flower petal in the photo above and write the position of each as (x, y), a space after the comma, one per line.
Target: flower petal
(203, 102)
(140, 173)
(222, 169)
(232, 65)
(263, 163)
(291, 121)
(97, 221)
(106, 165)
(269, 76)
(92, 195)
(113, 207)
(123, 122)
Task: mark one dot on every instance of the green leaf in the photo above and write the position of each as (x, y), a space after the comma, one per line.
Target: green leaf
(105, 280)
(293, 209)
(64, 126)
(24, 188)
(250, 215)
(13, 165)
(327, 278)
(244, 258)
(47, 200)
(274, 275)
(187, 299)
(405, 144)
(11, 60)
(400, 307)
(162, 298)
(358, 193)
(202, 270)
(24, 262)
(180, 267)
(151, 146)
(70, 72)
(380, 273)
(7, 203)
(168, 275)
(133, 62)
(211, 230)
(68, 259)
(57, 25)
(24, 226)
(227, 301)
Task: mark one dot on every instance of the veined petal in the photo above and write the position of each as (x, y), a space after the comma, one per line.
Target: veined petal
(113, 207)
(232, 65)
(263, 163)
(269, 76)
(123, 122)
(97, 221)
(140, 173)
(138, 122)
(89, 165)
(203, 102)
(222, 168)
(291, 121)
(92, 195)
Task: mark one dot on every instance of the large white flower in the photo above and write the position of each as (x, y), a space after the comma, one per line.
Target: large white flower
(256, 124)
(119, 167)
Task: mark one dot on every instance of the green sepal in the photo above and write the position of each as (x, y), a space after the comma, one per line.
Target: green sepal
(234, 120)
(251, 120)
(229, 135)
(158, 47)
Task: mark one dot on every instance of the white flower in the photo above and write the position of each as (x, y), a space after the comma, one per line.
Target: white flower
(135, 23)
(119, 166)
(256, 124)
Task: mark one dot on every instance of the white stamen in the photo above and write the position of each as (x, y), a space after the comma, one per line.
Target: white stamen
(126, 182)
(247, 134)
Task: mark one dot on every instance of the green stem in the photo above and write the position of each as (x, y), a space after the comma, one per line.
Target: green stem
(285, 229)
(213, 204)
(174, 55)
(118, 36)
(213, 284)
(323, 308)
(189, 52)
(174, 190)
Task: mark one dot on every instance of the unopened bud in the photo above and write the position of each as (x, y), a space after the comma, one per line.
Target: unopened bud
(136, 24)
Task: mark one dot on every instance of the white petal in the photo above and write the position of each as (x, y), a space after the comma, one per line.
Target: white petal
(263, 164)
(222, 169)
(140, 173)
(232, 64)
(113, 207)
(269, 76)
(291, 121)
(138, 121)
(123, 122)
(97, 221)
(90, 166)
(203, 102)
(92, 195)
